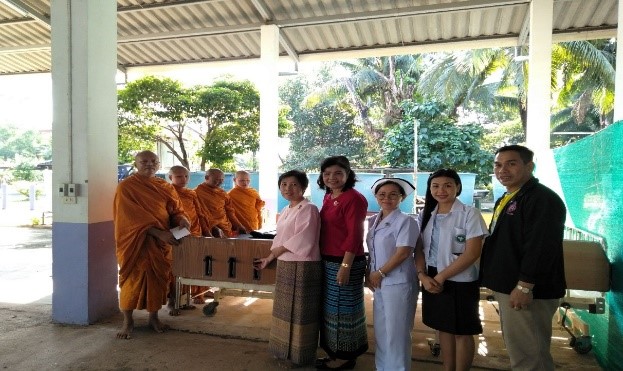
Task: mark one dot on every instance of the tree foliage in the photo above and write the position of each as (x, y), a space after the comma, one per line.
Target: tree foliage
(321, 127)
(228, 114)
(26, 171)
(27, 144)
(153, 110)
(210, 122)
(440, 143)
(327, 130)
(494, 80)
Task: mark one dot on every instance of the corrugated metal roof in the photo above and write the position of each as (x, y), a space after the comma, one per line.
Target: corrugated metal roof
(157, 32)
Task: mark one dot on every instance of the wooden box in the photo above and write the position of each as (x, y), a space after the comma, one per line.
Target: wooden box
(586, 266)
(223, 260)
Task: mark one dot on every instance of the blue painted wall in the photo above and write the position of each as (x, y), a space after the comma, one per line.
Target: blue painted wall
(83, 267)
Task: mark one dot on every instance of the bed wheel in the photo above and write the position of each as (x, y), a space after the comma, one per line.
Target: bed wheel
(210, 309)
(435, 349)
(582, 344)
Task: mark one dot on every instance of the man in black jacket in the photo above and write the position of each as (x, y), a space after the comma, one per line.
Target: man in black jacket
(522, 259)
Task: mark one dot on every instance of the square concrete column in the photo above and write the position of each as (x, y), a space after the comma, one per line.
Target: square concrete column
(84, 145)
(539, 76)
(269, 113)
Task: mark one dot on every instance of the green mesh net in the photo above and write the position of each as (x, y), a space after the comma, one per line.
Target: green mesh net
(591, 175)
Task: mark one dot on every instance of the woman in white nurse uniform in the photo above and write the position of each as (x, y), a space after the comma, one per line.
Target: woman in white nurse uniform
(391, 274)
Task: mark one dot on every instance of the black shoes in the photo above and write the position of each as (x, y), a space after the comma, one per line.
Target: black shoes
(321, 364)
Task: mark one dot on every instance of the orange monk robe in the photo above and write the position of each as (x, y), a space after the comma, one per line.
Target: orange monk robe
(144, 261)
(248, 206)
(217, 202)
(199, 222)
(199, 219)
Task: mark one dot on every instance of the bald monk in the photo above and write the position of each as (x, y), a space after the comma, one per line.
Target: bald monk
(199, 218)
(246, 202)
(145, 208)
(214, 199)
(199, 226)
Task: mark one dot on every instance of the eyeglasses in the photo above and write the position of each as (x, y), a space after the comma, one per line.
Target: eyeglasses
(391, 196)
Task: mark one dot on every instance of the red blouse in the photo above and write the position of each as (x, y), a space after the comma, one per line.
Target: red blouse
(342, 225)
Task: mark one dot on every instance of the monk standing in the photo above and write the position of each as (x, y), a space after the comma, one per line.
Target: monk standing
(246, 202)
(199, 218)
(199, 227)
(218, 203)
(144, 208)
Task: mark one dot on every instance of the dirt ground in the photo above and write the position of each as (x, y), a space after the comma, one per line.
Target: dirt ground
(236, 338)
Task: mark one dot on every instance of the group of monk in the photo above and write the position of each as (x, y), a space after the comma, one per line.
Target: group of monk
(145, 210)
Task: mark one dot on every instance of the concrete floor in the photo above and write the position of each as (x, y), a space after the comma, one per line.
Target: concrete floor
(234, 339)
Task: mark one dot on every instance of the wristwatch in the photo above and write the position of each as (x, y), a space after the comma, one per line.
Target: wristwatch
(525, 290)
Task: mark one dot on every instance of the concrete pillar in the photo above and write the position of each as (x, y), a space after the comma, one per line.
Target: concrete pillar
(539, 77)
(618, 84)
(84, 58)
(269, 113)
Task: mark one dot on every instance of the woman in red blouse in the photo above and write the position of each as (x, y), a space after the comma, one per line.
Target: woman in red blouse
(343, 333)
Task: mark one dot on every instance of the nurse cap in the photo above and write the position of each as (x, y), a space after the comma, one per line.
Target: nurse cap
(406, 186)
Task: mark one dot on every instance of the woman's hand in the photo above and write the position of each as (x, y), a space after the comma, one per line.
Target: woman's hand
(440, 279)
(430, 284)
(261, 263)
(343, 276)
(366, 281)
(375, 279)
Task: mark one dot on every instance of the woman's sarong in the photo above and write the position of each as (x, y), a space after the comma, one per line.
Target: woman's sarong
(296, 311)
(344, 334)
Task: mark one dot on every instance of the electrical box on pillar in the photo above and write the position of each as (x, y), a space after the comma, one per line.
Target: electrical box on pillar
(68, 192)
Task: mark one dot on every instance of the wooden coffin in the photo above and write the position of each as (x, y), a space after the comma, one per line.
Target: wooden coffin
(586, 266)
(222, 259)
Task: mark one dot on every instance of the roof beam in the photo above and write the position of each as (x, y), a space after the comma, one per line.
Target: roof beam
(207, 31)
(557, 37)
(525, 30)
(289, 48)
(25, 49)
(268, 17)
(166, 4)
(263, 9)
(451, 7)
(27, 10)
(24, 19)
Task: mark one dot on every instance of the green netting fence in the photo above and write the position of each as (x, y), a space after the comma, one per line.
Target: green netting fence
(591, 175)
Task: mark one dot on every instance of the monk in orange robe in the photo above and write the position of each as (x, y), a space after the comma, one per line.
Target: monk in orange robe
(218, 203)
(144, 208)
(246, 202)
(199, 218)
(199, 227)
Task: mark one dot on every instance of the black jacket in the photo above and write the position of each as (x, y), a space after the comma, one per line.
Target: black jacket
(526, 244)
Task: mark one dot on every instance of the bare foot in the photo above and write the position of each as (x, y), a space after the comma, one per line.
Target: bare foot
(126, 330)
(158, 326)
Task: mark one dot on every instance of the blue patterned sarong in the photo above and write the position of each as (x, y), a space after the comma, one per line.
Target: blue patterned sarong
(343, 332)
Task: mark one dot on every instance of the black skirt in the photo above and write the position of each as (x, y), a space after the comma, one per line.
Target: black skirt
(455, 309)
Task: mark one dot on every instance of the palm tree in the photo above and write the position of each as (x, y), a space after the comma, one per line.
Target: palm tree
(586, 79)
(376, 87)
(491, 79)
